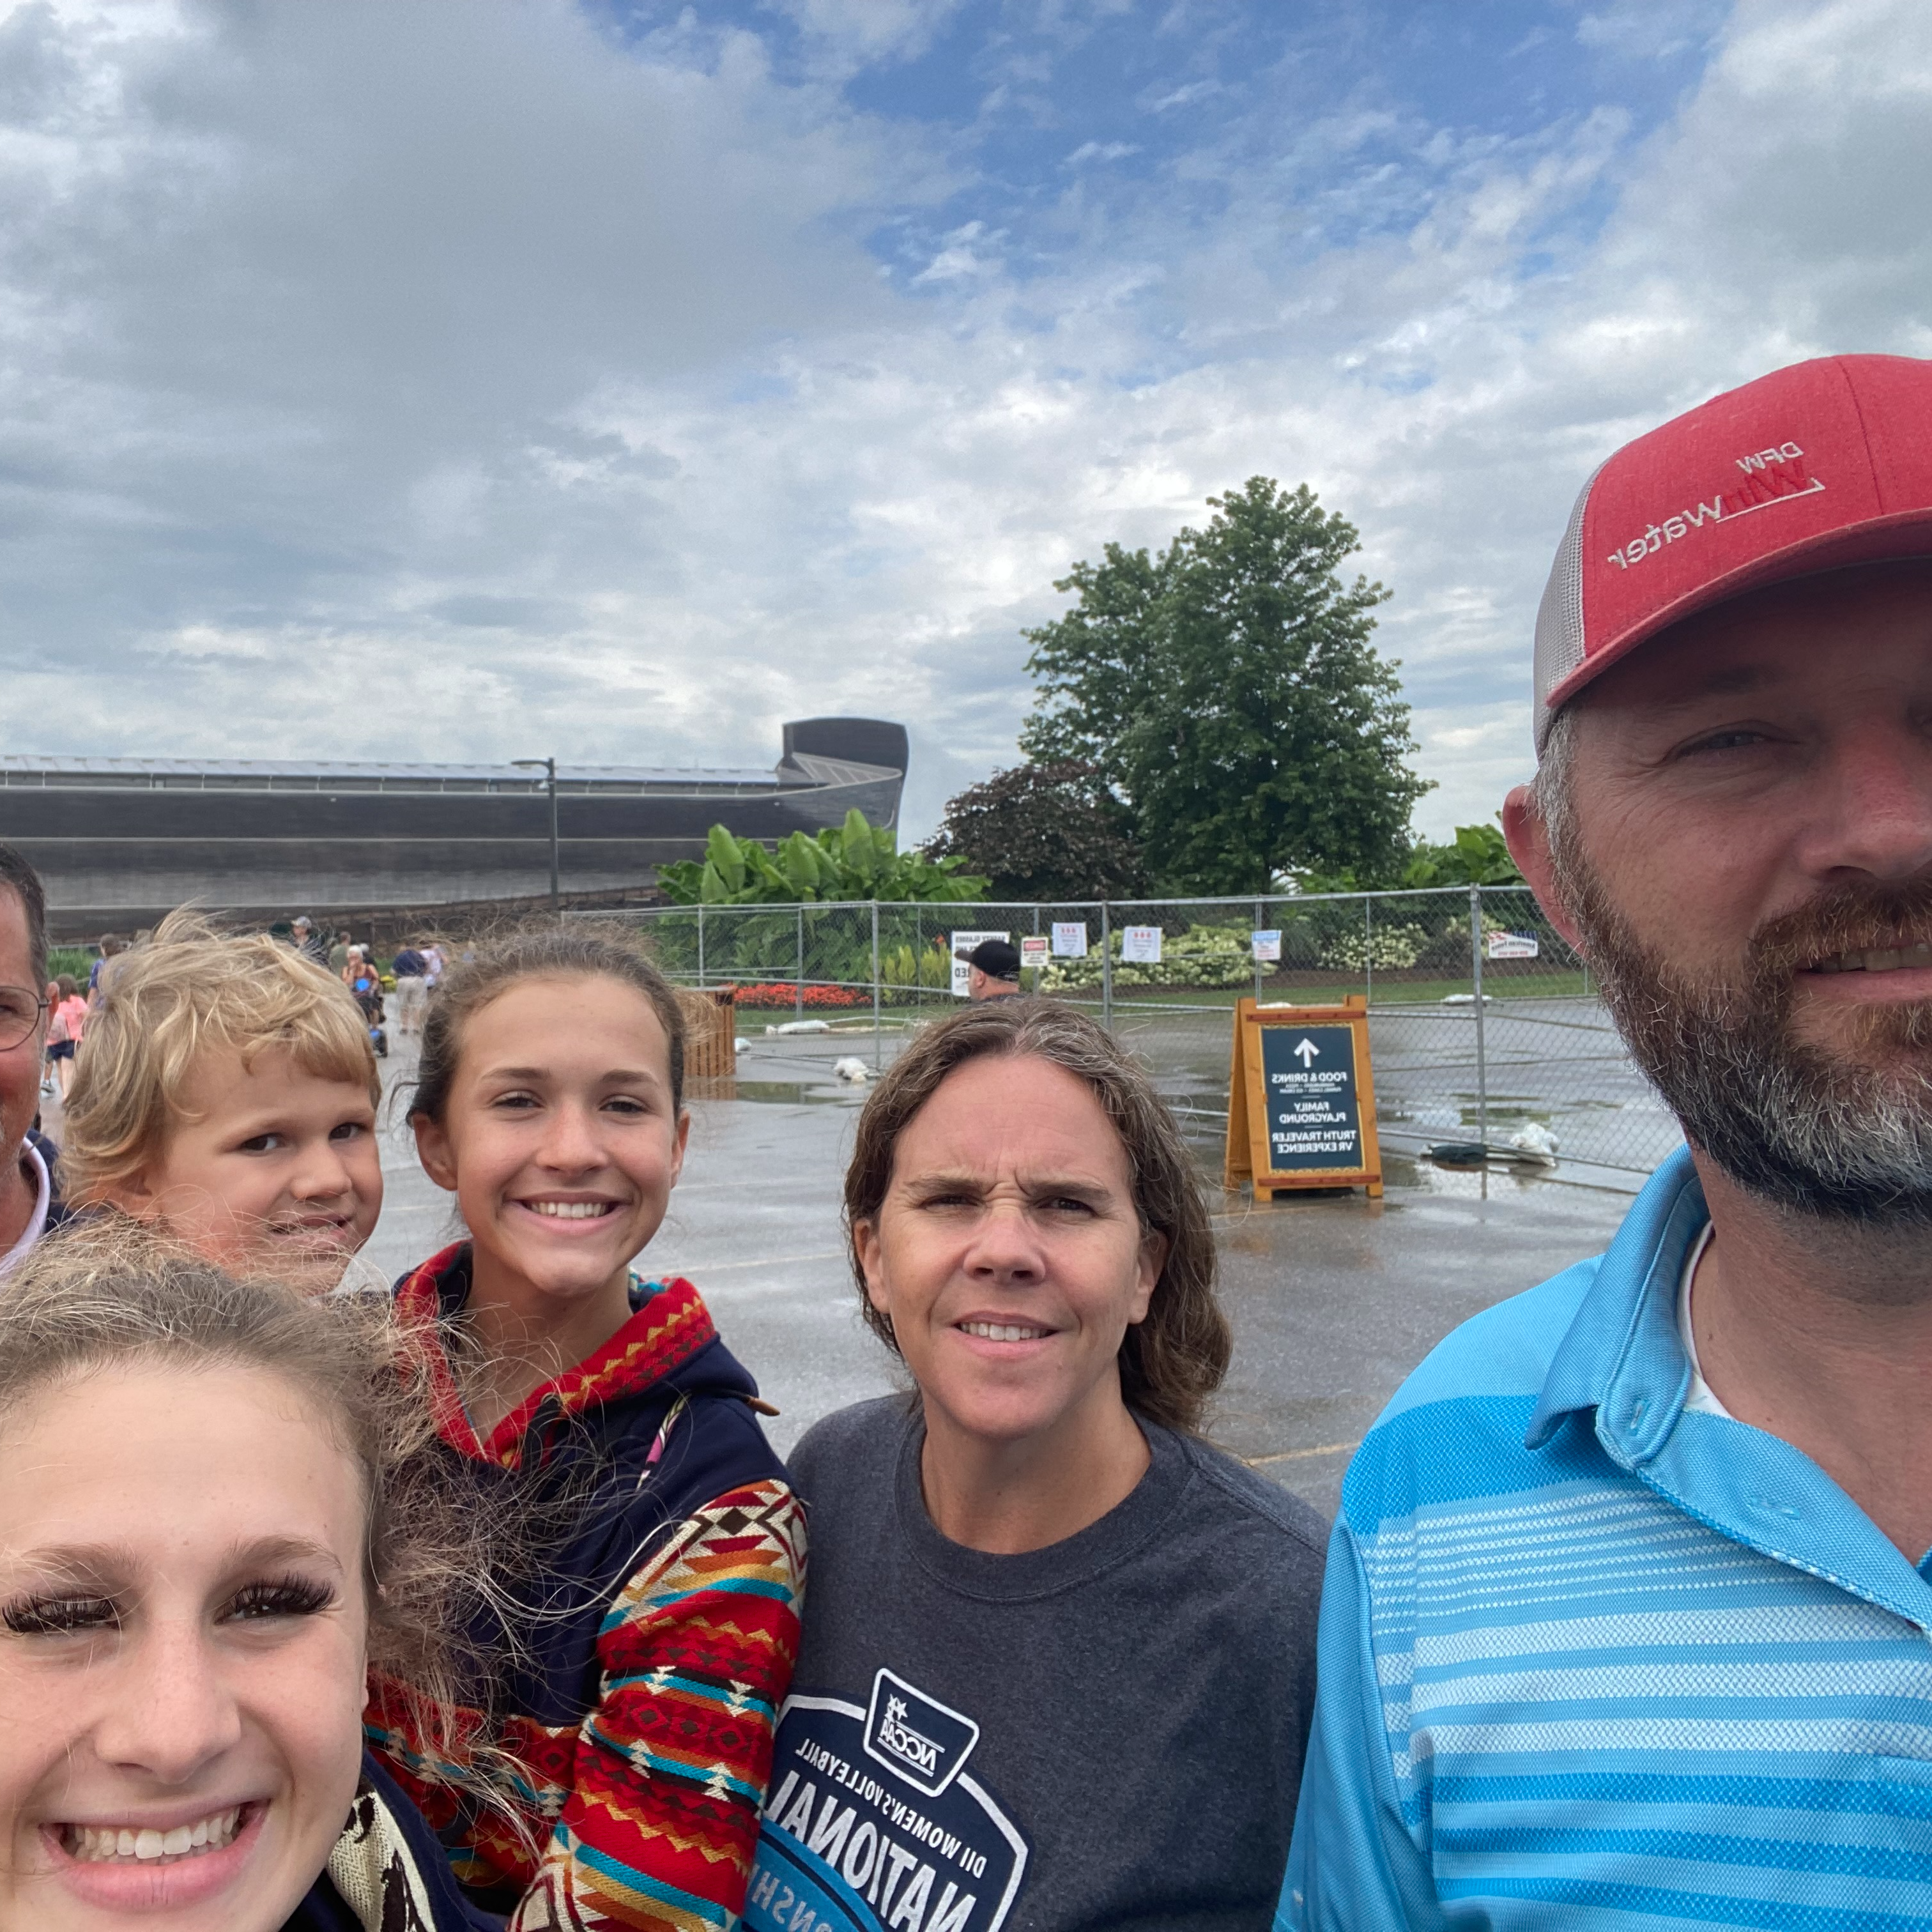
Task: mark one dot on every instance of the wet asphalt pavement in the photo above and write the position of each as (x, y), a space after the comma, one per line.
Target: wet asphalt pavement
(1334, 1298)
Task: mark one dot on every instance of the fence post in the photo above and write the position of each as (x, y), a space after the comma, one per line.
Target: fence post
(700, 943)
(1476, 964)
(1369, 948)
(1106, 966)
(1251, 947)
(798, 994)
(875, 983)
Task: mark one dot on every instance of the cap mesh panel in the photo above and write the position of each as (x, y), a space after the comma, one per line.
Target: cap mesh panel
(1559, 617)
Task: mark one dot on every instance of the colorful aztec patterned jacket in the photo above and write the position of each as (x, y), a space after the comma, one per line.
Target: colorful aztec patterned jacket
(652, 1639)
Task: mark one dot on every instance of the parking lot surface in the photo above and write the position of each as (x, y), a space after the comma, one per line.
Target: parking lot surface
(1334, 1298)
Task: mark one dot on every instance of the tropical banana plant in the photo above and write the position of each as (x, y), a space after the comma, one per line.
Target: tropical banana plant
(852, 861)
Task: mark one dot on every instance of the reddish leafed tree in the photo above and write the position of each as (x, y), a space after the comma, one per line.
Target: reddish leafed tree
(1044, 832)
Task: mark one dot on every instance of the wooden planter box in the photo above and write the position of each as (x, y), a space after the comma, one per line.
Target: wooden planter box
(711, 1021)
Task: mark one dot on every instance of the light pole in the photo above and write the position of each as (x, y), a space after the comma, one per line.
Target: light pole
(548, 767)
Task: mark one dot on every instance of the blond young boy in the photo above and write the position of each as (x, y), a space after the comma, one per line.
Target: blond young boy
(226, 1093)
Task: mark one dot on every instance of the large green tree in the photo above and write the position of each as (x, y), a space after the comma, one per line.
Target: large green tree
(1228, 689)
(1043, 832)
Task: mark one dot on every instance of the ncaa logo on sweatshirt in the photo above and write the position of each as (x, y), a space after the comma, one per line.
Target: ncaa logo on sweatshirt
(916, 1737)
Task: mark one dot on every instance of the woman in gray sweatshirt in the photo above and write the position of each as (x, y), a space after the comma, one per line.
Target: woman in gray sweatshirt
(1058, 1653)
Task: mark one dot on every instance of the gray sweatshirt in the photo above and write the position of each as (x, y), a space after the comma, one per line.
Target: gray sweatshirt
(1107, 1731)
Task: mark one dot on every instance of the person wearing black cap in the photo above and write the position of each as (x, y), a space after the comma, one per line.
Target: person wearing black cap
(305, 939)
(992, 971)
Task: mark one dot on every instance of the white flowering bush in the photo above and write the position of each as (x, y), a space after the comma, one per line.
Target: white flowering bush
(1388, 948)
(1205, 956)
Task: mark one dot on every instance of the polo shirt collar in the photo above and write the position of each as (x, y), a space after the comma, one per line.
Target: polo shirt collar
(1624, 1338)
(1623, 1359)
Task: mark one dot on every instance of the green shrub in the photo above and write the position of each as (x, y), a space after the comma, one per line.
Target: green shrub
(1205, 955)
(1391, 947)
(848, 863)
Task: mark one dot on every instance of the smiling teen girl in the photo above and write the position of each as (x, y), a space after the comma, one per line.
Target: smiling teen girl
(642, 1676)
(1070, 1647)
(207, 1530)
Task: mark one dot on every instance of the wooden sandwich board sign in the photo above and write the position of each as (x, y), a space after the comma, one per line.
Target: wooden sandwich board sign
(1301, 1098)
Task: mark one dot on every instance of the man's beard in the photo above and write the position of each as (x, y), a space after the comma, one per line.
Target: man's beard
(1842, 1134)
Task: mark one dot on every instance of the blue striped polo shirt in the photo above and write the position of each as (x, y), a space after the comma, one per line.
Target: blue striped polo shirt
(1589, 1660)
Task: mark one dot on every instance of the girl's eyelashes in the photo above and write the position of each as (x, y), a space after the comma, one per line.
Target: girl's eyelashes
(261, 1144)
(349, 1130)
(48, 1615)
(60, 1616)
(285, 1597)
(520, 1100)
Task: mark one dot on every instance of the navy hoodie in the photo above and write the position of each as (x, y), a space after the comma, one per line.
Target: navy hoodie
(644, 1638)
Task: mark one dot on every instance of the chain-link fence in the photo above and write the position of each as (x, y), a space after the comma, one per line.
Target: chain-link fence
(1483, 1026)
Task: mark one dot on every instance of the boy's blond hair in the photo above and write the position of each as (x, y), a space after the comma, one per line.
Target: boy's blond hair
(188, 990)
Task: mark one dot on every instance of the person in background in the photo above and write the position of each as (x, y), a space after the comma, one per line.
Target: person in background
(365, 989)
(643, 1644)
(30, 1201)
(228, 1097)
(111, 946)
(64, 1029)
(1059, 1654)
(992, 971)
(338, 955)
(306, 940)
(1628, 1618)
(207, 1535)
(410, 969)
(434, 961)
(56, 1032)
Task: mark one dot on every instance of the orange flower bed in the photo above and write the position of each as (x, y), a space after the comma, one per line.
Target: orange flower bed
(780, 993)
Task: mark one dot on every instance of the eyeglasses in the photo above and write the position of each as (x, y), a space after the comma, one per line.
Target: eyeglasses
(20, 1012)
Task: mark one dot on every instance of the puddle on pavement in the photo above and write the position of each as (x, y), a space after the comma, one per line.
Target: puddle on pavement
(1401, 1173)
(781, 1092)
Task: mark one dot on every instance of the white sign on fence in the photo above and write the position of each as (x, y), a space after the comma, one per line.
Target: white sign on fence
(964, 942)
(1140, 945)
(1033, 950)
(1513, 946)
(1267, 945)
(1070, 939)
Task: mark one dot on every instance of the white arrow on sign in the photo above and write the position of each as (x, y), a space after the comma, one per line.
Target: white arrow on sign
(1307, 1053)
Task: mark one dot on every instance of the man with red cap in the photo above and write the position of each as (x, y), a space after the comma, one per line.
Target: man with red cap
(1628, 1617)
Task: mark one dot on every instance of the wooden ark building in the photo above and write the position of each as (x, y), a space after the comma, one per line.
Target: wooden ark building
(121, 840)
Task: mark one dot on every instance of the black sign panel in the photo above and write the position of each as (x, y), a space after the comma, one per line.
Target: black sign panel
(1314, 1109)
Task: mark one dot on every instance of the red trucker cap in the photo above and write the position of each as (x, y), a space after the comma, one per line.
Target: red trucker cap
(1810, 468)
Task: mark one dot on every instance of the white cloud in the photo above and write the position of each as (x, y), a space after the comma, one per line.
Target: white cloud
(846, 35)
(456, 355)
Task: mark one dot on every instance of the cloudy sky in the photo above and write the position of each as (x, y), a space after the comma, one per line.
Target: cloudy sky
(471, 379)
